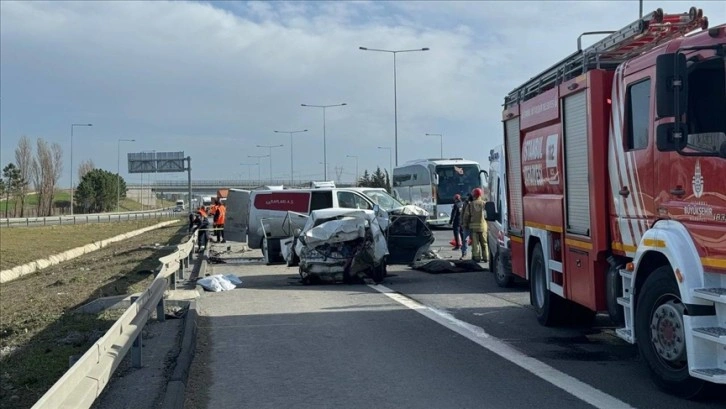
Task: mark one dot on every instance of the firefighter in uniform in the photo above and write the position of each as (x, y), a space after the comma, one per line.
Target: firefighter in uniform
(474, 220)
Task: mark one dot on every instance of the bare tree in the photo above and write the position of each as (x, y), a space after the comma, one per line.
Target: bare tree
(56, 168)
(23, 160)
(36, 177)
(85, 167)
(44, 162)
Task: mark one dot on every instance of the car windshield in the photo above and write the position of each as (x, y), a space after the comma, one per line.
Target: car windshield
(383, 199)
(455, 179)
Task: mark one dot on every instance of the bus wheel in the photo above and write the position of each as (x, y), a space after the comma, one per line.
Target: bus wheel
(547, 305)
(661, 335)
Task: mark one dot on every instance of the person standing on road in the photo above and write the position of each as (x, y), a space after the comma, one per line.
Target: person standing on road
(455, 221)
(465, 228)
(212, 214)
(474, 218)
(219, 216)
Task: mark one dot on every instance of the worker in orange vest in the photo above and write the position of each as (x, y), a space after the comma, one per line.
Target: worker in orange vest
(202, 212)
(219, 216)
(212, 212)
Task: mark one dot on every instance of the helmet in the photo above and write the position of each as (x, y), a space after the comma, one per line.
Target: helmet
(477, 193)
(457, 197)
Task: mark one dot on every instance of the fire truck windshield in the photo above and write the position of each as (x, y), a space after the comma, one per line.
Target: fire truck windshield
(706, 105)
(455, 179)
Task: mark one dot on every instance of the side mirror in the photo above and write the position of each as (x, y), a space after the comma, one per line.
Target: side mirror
(665, 139)
(297, 232)
(436, 179)
(671, 84)
(491, 212)
(485, 173)
(376, 209)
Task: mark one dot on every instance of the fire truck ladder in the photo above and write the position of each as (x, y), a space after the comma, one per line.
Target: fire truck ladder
(636, 38)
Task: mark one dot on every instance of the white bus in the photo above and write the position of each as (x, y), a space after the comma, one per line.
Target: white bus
(432, 184)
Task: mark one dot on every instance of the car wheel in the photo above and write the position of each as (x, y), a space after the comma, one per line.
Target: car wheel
(501, 276)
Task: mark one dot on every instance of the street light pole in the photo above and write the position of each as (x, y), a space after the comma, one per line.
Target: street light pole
(395, 92)
(292, 174)
(258, 157)
(118, 173)
(442, 142)
(356, 167)
(72, 126)
(325, 148)
(270, 147)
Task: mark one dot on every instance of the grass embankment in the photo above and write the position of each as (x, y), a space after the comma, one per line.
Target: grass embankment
(39, 330)
(23, 245)
(31, 201)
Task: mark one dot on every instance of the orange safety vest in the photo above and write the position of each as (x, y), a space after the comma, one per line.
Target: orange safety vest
(222, 213)
(213, 209)
(202, 212)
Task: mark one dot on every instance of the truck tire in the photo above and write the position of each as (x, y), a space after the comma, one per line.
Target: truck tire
(661, 337)
(503, 279)
(547, 305)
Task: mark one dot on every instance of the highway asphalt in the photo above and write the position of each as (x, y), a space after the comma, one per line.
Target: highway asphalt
(418, 340)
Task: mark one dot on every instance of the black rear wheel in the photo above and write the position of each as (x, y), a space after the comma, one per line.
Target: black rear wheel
(547, 305)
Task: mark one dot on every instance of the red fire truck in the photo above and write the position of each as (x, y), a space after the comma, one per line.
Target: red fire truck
(616, 180)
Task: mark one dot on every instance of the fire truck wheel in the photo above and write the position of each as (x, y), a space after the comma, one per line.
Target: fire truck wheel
(547, 305)
(660, 334)
(501, 276)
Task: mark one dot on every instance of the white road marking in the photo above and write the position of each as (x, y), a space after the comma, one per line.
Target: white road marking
(576, 388)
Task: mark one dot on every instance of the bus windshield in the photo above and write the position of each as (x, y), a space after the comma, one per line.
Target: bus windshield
(455, 179)
(383, 199)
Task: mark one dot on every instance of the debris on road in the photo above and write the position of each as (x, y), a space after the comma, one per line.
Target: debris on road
(439, 266)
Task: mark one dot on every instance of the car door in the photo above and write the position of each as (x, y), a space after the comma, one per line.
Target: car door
(237, 216)
(408, 237)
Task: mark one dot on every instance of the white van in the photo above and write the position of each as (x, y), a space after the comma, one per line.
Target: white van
(263, 217)
(179, 206)
(500, 259)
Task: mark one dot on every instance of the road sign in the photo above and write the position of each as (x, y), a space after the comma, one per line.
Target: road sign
(156, 162)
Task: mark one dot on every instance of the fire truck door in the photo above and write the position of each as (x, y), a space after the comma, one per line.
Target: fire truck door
(634, 172)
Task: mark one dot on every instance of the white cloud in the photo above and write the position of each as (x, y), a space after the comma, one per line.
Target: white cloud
(215, 83)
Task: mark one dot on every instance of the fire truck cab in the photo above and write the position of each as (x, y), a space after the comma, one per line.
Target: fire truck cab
(616, 183)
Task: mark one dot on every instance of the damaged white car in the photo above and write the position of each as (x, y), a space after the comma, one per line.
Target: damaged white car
(345, 244)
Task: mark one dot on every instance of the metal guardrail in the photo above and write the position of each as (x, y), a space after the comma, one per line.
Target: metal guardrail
(85, 218)
(225, 183)
(85, 380)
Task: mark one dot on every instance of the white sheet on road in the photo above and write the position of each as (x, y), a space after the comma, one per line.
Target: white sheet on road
(219, 282)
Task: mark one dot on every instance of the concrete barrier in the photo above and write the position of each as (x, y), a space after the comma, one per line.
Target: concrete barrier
(29, 268)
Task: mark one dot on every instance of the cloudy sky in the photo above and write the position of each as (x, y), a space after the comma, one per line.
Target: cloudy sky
(215, 79)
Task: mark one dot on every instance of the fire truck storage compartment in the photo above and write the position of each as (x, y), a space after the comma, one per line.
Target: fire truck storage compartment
(580, 281)
(577, 168)
(513, 152)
